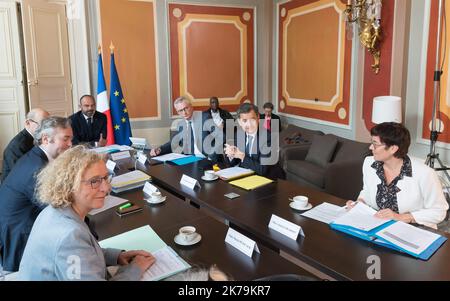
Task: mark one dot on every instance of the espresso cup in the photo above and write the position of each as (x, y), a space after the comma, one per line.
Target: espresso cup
(187, 233)
(156, 196)
(300, 201)
(209, 174)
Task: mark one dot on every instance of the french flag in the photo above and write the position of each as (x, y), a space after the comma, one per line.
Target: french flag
(103, 100)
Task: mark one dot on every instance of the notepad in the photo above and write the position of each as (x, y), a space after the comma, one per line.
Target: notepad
(168, 262)
(169, 157)
(251, 182)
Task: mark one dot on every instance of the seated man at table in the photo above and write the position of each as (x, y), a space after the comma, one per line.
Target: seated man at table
(19, 206)
(89, 125)
(190, 134)
(23, 141)
(253, 148)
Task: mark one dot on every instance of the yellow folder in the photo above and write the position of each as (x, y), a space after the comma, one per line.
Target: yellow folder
(251, 182)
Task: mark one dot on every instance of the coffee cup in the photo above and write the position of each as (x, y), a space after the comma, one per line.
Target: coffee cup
(300, 201)
(156, 196)
(209, 174)
(187, 233)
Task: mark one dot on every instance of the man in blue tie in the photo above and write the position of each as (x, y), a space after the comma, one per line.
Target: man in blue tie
(258, 154)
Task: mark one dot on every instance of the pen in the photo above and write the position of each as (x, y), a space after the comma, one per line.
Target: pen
(125, 206)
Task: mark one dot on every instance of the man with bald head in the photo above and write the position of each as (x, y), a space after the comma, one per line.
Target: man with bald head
(23, 141)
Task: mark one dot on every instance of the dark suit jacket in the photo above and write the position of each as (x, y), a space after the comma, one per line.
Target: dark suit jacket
(273, 117)
(81, 132)
(19, 207)
(257, 160)
(16, 148)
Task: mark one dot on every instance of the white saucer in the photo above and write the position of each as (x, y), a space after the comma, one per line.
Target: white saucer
(162, 199)
(309, 206)
(178, 240)
(210, 180)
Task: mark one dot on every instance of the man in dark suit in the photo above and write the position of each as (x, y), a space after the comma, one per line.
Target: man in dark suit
(189, 135)
(253, 148)
(23, 141)
(89, 125)
(270, 118)
(18, 203)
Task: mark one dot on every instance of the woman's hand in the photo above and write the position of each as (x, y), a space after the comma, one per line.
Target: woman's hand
(389, 214)
(350, 204)
(126, 257)
(143, 262)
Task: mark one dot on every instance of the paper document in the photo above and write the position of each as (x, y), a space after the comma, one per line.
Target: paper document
(233, 173)
(169, 157)
(361, 217)
(251, 182)
(110, 202)
(167, 263)
(408, 237)
(325, 212)
(112, 148)
(132, 177)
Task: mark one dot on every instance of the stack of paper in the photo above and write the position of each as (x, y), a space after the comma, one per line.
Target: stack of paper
(129, 180)
(251, 182)
(169, 157)
(233, 173)
(167, 263)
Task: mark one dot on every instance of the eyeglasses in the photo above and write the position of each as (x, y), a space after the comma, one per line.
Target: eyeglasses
(97, 181)
(34, 121)
(185, 109)
(376, 145)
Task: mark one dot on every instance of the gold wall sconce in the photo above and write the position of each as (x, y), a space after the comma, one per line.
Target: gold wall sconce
(367, 15)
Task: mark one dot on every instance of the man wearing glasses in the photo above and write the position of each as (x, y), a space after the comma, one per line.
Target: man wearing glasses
(190, 135)
(18, 203)
(23, 141)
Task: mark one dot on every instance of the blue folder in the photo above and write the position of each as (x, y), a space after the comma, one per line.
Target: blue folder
(186, 160)
(372, 236)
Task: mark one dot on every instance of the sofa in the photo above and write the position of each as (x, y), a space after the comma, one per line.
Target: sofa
(329, 163)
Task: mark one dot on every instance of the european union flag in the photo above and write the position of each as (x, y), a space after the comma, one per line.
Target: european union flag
(119, 112)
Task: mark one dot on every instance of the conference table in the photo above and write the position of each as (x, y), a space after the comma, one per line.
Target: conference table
(336, 254)
(166, 218)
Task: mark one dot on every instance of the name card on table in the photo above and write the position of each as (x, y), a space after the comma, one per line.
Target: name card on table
(120, 155)
(110, 165)
(189, 182)
(285, 227)
(241, 242)
(149, 188)
(142, 158)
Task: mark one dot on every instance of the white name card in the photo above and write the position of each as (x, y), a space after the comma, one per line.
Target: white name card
(142, 158)
(110, 165)
(285, 227)
(189, 182)
(149, 188)
(120, 155)
(241, 242)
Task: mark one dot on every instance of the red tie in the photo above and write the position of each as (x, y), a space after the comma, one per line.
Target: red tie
(267, 124)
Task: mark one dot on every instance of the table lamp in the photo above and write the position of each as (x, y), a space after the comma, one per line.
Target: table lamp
(387, 109)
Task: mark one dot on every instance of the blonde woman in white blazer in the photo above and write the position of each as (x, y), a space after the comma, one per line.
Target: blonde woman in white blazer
(398, 186)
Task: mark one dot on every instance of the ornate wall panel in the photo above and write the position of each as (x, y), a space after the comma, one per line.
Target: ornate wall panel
(212, 54)
(314, 60)
(443, 107)
(130, 25)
